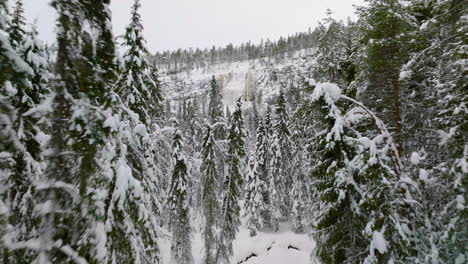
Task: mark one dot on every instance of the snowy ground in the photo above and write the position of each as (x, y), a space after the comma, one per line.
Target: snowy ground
(282, 247)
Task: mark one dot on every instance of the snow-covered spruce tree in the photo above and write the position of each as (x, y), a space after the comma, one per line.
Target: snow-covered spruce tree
(210, 192)
(366, 206)
(434, 103)
(7, 148)
(162, 148)
(305, 206)
(336, 49)
(272, 213)
(72, 193)
(178, 203)
(262, 158)
(280, 162)
(17, 29)
(19, 95)
(274, 200)
(452, 113)
(300, 199)
(133, 207)
(215, 108)
(194, 125)
(192, 129)
(138, 83)
(253, 203)
(298, 216)
(231, 186)
(131, 236)
(330, 49)
(13, 73)
(34, 89)
(34, 53)
(268, 123)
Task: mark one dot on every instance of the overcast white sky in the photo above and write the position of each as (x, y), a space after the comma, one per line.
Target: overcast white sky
(172, 24)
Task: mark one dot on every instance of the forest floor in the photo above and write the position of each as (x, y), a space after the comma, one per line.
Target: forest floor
(267, 247)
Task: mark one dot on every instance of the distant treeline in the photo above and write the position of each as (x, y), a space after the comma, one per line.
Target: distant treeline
(189, 59)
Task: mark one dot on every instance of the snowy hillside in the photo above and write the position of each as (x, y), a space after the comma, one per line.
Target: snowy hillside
(262, 77)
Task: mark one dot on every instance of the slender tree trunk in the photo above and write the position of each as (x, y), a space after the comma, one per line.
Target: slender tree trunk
(397, 113)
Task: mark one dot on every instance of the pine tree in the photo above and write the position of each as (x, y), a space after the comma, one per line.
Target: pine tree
(298, 193)
(138, 84)
(31, 126)
(134, 208)
(231, 186)
(34, 89)
(432, 100)
(9, 143)
(275, 201)
(35, 55)
(280, 149)
(130, 209)
(210, 192)
(75, 179)
(17, 28)
(268, 125)
(181, 247)
(451, 118)
(305, 205)
(255, 111)
(330, 52)
(215, 108)
(386, 29)
(298, 207)
(20, 162)
(254, 203)
(262, 161)
(365, 206)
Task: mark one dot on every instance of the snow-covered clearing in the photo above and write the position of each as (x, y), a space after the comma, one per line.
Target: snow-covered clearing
(282, 247)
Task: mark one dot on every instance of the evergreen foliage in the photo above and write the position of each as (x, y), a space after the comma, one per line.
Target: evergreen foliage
(178, 205)
(21, 148)
(210, 192)
(365, 212)
(231, 186)
(433, 106)
(89, 155)
(280, 162)
(254, 190)
(386, 29)
(215, 109)
(216, 105)
(299, 193)
(74, 182)
(138, 83)
(17, 29)
(262, 169)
